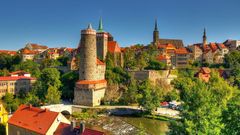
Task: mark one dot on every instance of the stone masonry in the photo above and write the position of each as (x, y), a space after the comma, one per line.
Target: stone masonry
(91, 86)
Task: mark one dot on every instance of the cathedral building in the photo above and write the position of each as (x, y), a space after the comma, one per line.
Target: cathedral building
(157, 40)
(90, 88)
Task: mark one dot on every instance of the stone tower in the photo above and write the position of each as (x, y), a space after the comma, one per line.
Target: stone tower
(155, 34)
(88, 56)
(204, 37)
(102, 41)
(90, 88)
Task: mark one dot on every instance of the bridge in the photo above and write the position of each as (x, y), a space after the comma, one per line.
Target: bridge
(69, 109)
(64, 109)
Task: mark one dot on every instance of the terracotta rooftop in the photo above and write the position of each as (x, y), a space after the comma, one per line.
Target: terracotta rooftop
(37, 46)
(113, 47)
(162, 57)
(65, 129)
(19, 72)
(213, 46)
(181, 51)
(99, 62)
(176, 42)
(27, 51)
(32, 118)
(91, 82)
(15, 78)
(8, 52)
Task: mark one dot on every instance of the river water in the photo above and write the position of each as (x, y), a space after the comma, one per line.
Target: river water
(126, 125)
(153, 127)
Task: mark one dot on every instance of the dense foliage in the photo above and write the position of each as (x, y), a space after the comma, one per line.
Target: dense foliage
(203, 105)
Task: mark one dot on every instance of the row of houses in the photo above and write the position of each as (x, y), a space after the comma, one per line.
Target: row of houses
(174, 55)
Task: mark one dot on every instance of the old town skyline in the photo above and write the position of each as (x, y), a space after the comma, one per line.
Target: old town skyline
(59, 28)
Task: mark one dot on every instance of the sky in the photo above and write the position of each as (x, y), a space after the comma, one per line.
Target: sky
(57, 23)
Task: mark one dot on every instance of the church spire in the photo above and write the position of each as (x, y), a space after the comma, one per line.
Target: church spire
(100, 27)
(204, 37)
(155, 34)
(156, 25)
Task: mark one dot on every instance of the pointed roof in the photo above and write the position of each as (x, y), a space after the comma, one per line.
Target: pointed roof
(113, 47)
(156, 26)
(89, 26)
(100, 27)
(204, 33)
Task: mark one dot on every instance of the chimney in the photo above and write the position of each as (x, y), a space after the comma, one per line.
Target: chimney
(46, 110)
(73, 125)
(82, 127)
(30, 106)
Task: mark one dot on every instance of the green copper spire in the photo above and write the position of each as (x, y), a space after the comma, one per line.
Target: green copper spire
(156, 27)
(100, 27)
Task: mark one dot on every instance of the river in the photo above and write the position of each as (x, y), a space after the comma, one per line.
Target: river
(153, 127)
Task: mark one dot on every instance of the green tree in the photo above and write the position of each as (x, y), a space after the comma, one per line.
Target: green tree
(49, 77)
(131, 95)
(231, 115)
(142, 60)
(232, 61)
(10, 103)
(129, 59)
(63, 60)
(49, 63)
(28, 66)
(2, 129)
(53, 95)
(68, 83)
(32, 99)
(150, 98)
(203, 105)
(5, 60)
(4, 72)
(155, 65)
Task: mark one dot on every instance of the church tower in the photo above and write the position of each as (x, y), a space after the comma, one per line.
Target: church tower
(204, 37)
(155, 34)
(90, 88)
(102, 41)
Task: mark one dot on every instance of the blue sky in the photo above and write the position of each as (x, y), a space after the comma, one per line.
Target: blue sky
(58, 22)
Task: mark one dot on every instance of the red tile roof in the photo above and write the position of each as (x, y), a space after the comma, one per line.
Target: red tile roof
(19, 72)
(37, 46)
(181, 51)
(8, 52)
(221, 45)
(34, 119)
(88, 131)
(91, 82)
(213, 46)
(65, 129)
(113, 47)
(162, 57)
(15, 78)
(99, 62)
(27, 51)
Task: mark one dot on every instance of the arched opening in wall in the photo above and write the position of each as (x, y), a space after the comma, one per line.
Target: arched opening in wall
(66, 114)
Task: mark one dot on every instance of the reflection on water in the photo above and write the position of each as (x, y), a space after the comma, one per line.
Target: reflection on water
(153, 127)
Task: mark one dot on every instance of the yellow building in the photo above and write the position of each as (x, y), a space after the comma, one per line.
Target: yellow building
(3, 116)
